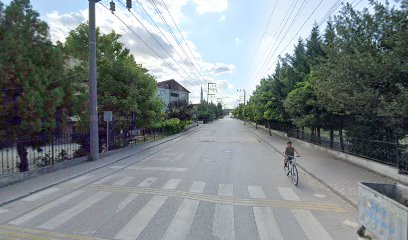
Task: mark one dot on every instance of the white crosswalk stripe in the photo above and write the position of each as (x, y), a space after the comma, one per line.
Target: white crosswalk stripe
(223, 225)
(81, 178)
(265, 220)
(307, 221)
(124, 181)
(70, 213)
(41, 194)
(132, 196)
(180, 225)
(23, 219)
(136, 225)
(2, 210)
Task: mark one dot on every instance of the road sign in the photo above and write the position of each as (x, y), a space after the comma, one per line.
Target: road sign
(107, 116)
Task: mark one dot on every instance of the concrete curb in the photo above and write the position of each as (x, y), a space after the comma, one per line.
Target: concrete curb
(337, 193)
(165, 140)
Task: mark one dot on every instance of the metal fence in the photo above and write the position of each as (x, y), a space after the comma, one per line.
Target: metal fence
(49, 149)
(41, 151)
(390, 153)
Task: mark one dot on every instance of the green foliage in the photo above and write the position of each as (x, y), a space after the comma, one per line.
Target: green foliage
(124, 87)
(172, 126)
(208, 112)
(354, 76)
(31, 69)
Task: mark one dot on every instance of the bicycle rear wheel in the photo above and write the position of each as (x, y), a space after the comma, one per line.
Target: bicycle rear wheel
(295, 176)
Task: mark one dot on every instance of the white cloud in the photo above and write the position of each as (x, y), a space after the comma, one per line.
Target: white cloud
(237, 41)
(61, 24)
(222, 18)
(211, 6)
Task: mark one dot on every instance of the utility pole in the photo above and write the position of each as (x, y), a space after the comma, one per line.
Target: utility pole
(93, 122)
(208, 91)
(243, 90)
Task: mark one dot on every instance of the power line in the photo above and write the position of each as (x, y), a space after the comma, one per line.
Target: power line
(158, 42)
(141, 39)
(263, 34)
(172, 32)
(276, 46)
(282, 25)
(295, 35)
(178, 29)
(162, 33)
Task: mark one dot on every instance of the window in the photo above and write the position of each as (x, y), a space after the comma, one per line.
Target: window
(174, 94)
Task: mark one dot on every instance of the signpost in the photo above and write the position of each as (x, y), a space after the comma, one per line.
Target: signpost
(107, 117)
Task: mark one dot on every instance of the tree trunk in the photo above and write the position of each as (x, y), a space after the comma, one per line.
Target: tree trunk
(303, 133)
(269, 128)
(331, 137)
(256, 125)
(312, 135)
(22, 153)
(319, 140)
(341, 135)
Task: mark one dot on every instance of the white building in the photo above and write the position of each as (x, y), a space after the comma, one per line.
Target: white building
(172, 93)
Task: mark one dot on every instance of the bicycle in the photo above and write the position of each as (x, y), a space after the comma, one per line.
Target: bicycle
(291, 170)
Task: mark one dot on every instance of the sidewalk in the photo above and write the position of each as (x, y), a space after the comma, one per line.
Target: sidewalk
(22, 189)
(338, 175)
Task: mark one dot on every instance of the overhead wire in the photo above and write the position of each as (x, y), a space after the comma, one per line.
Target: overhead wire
(270, 56)
(263, 34)
(178, 29)
(161, 32)
(144, 42)
(282, 25)
(157, 41)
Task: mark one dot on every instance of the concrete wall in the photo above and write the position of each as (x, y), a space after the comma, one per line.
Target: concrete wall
(382, 169)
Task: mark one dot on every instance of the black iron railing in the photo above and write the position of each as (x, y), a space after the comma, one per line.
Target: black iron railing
(391, 153)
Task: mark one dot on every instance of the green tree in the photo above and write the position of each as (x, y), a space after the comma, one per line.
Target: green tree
(124, 87)
(31, 69)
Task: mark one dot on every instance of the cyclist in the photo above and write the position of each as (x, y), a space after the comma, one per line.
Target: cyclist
(290, 152)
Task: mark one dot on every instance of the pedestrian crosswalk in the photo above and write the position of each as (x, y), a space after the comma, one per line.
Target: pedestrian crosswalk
(179, 226)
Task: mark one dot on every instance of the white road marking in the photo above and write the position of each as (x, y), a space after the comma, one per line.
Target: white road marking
(167, 169)
(2, 210)
(180, 225)
(351, 224)
(41, 194)
(223, 225)
(320, 195)
(45, 208)
(132, 196)
(75, 210)
(104, 179)
(68, 214)
(265, 220)
(307, 221)
(124, 181)
(81, 178)
(137, 224)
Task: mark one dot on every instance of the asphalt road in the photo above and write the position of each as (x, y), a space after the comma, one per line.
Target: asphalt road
(219, 182)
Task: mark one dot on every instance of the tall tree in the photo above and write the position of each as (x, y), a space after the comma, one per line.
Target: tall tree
(31, 69)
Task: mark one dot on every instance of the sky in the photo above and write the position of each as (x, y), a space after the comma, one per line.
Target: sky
(233, 43)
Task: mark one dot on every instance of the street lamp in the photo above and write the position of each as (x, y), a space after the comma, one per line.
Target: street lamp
(243, 90)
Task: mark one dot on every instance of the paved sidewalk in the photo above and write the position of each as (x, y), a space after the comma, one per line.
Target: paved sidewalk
(338, 175)
(22, 189)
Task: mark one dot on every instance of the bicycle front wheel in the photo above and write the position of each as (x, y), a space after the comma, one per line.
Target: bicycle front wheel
(295, 176)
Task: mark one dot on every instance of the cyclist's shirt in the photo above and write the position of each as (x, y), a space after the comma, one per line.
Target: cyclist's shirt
(290, 151)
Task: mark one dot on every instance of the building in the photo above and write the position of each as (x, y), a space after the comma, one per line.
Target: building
(172, 93)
